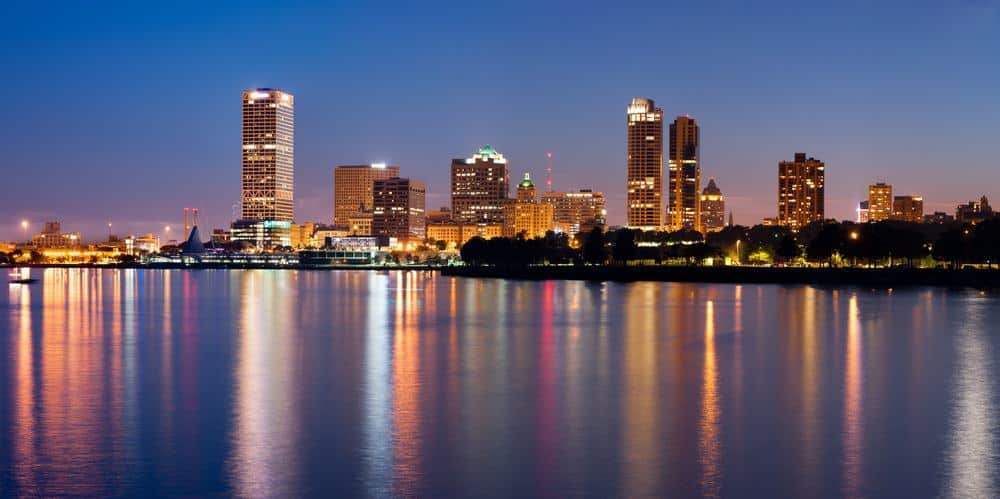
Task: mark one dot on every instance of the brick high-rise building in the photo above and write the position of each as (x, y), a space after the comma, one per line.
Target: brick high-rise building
(644, 169)
(801, 186)
(268, 157)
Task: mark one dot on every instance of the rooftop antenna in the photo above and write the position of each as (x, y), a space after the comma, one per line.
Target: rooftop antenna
(548, 172)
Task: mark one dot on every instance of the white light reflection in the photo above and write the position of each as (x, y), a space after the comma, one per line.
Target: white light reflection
(972, 454)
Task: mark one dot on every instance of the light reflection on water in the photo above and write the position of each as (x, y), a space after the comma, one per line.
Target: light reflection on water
(280, 383)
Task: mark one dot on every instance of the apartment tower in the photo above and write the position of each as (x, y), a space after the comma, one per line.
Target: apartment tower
(644, 170)
(800, 191)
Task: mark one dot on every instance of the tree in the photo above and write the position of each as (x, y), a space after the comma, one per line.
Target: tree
(595, 249)
(828, 241)
(474, 251)
(37, 257)
(951, 247)
(985, 242)
(441, 245)
(624, 248)
(788, 248)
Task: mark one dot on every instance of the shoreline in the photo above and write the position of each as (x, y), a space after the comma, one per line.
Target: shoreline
(876, 278)
(838, 276)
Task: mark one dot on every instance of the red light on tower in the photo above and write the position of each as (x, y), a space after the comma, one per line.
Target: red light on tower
(548, 172)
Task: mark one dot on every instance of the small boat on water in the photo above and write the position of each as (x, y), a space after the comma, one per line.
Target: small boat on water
(21, 276)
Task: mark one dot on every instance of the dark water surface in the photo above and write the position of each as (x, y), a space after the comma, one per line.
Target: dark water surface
(284, 383)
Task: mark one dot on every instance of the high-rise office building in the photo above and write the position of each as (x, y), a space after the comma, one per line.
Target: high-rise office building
(908, 208)
(353, 189)
(268, 183)
(644, 170)
(879, 202)
(575, 212)
(399, 210)
(684, 185)
(801, 186)
(479, 187)
(713, 208)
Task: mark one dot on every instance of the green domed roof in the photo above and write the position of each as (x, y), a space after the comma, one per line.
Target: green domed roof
(526, 183)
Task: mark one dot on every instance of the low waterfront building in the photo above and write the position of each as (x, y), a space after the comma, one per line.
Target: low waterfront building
(455, 234)
(300, 235)
(52, 236)
(136, 245)
(262, 234)
(575, 212)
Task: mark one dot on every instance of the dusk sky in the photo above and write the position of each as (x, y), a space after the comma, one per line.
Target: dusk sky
(128, 112)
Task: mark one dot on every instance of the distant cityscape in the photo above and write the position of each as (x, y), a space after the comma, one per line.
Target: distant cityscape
(377, 209)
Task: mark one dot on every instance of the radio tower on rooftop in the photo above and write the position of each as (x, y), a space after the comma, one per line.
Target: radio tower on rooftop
(548, 172)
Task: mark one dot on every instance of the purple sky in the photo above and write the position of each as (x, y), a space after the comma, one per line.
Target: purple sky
(129, 112)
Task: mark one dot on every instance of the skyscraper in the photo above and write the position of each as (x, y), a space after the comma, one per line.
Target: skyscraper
(399, 209)
(644, 171)
(268, 161)
(713, 207)
(353, 189)
(684, 206)
(879, 202)
(479, 187)
(800, 191)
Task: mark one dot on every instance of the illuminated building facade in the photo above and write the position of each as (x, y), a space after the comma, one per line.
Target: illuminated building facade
(684, 185)
(801, 187)
(301, 235)
(353, 189)
(268, 155)
(263, 234)
(52, 236)
(863, 212)
(713, 207)
(879, 202)
(524, 215)
(135, 245)
(456, 234)
(644, 169)
(575, 212)
(479, 187)
(908, 208)
(398, 209)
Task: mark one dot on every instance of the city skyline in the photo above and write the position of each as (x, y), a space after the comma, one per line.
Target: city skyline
(118, 169)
